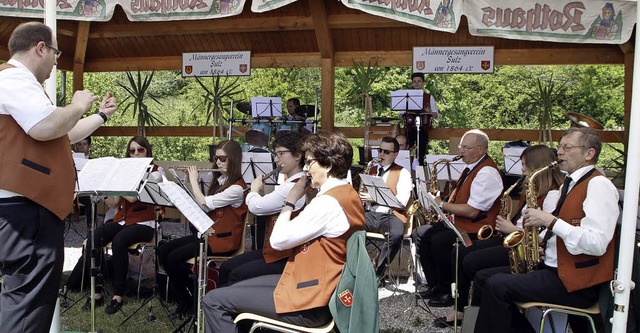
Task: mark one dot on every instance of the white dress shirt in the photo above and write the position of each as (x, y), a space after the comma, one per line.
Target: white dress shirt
(232, 195)
(403, 189)
(323, 216)
(548, 205)
(596, 228)
(486, 187)
(272, 203)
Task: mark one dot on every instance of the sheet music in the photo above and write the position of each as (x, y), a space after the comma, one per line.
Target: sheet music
(185, 204)
(256, 164)
(115, 176)
(460, 234)
(380, 192)
(443, 173)
(403, 159)
(266, 107)
(151, 194)
(407, 100)
(512, 162)
(79, 160)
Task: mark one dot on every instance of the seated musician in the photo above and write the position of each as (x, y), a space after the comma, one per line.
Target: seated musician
(490, 252)
(134, 222)
(379, 218)
(268, 261)
(402, 142)
(292, 105)
(579, 252)
(225, 201)
(427, 114)
(473, 202)
(318, 238)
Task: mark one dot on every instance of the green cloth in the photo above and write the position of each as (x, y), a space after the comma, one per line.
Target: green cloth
(357, 285)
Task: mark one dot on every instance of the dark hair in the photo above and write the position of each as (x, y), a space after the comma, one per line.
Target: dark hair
(390, 139)
(89, 139)
(330, 149)
(290, 140)
(417, 74)
(537, 157)
(28, 35)
(234, 166)
(296, 101)
(588, 139)
(143, 142)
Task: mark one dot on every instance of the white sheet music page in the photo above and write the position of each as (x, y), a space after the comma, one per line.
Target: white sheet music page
(185, 204)
(110, 175)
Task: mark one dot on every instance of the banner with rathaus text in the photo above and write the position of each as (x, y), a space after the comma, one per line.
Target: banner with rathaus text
(442, 15)
(136, 10)
(592, 21)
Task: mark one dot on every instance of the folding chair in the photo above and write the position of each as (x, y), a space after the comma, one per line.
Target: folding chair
(547, 309)
(260, 322)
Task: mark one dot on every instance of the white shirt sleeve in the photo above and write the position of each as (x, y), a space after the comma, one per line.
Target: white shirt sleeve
(323, 216)
(485, 189)
(271, 203)
(434, 106)
(233, 196)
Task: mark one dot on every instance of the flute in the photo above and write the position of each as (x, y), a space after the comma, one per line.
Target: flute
(186, 167)
(267, 175)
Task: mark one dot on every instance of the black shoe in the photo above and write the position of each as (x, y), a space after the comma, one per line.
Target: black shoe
(432, 292)
(113, 307)
(87, 305)
(443, 323)
(441, 302)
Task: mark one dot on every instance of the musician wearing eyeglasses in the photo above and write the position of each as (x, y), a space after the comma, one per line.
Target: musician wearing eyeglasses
(267, 260)
(226, 207)
(318, 238)
(38, 177)
(473, 202)
(579, 238)
(380, 218)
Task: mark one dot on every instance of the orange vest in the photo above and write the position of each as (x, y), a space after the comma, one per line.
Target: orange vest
(134, 212)
(228, 226)
(581, 271)
(461, 196)
(392, 182)
(268, 253)
(42, 171)
(312, 272)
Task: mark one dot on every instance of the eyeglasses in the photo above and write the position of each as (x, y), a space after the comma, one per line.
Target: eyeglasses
(140, 150)
(221, 158)
(386, 151)
(567, 147)
(310, 161)
(281, 152)
(56, 52)
(467, 147)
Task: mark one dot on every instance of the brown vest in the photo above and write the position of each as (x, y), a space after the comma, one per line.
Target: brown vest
(392, 182)
(462, 196)
(134, 212)
(42, 171)
(270, 254)
(581, 271)
(229, 226)
(312, 272)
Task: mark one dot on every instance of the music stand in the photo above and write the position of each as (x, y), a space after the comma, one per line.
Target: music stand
(512, 161)
(407, 101)
(109, 176)
(203, 223)
(257, 164)
(266, 107)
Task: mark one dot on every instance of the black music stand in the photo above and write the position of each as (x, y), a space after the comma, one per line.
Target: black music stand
(409, 101)
(257, 164)
(109, 176)
(461, 237)
(381, 194)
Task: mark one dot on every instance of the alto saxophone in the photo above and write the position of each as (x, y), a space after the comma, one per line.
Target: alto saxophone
(433, 217)
(524, 254)
(366, 170)
(506, 204)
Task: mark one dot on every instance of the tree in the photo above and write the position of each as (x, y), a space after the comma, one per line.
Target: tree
(137, 90)
(221, 91)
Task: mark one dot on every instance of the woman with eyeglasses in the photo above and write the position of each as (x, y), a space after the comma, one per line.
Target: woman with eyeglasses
(225, 202)
(133, 222)
(317, 237)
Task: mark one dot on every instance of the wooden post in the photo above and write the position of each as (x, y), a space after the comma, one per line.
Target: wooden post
(327, 78)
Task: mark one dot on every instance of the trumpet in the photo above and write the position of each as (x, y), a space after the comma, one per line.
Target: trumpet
(186, 168)
(267, 175)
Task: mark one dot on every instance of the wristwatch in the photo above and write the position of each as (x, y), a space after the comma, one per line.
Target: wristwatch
(103, 115)
(287, 203)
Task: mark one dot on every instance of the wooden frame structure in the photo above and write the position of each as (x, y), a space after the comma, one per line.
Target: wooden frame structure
(306, 33)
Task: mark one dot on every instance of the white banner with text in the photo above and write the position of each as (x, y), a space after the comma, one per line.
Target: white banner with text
(453, 60)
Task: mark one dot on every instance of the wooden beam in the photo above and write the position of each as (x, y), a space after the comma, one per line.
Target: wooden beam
(194, 27)
(79, 55)
(323, 34)
(327, 82)
(363, 21)
(384, 58)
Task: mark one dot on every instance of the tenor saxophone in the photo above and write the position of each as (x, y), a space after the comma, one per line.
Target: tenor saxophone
(506, 204)
(523, 245)
(433, 217)
(366, 170)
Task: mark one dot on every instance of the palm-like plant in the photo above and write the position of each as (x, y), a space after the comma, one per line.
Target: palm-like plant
(220, 91)
(545, 98)
(363, 79)
(137, 91)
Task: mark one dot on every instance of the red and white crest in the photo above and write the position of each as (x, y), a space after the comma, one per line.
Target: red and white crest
(420, 65)
(188, 69)
(485, 64)
(346, 298)
(243, 68)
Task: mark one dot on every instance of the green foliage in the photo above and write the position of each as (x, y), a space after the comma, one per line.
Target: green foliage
(215, 94)
(137, 91)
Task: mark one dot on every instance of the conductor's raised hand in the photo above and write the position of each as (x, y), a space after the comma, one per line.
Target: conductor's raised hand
(109, 105)
(83, 99)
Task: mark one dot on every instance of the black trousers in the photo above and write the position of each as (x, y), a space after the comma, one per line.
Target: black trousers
(121, 237)
(31, 260)
(383, 223)
(254, 296)
(480, 255)
(498, 312)
(248, 265)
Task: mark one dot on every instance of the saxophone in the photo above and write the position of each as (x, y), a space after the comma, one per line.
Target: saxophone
(506, 204)
(524, 254)
(366, 170)
(433, 217)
